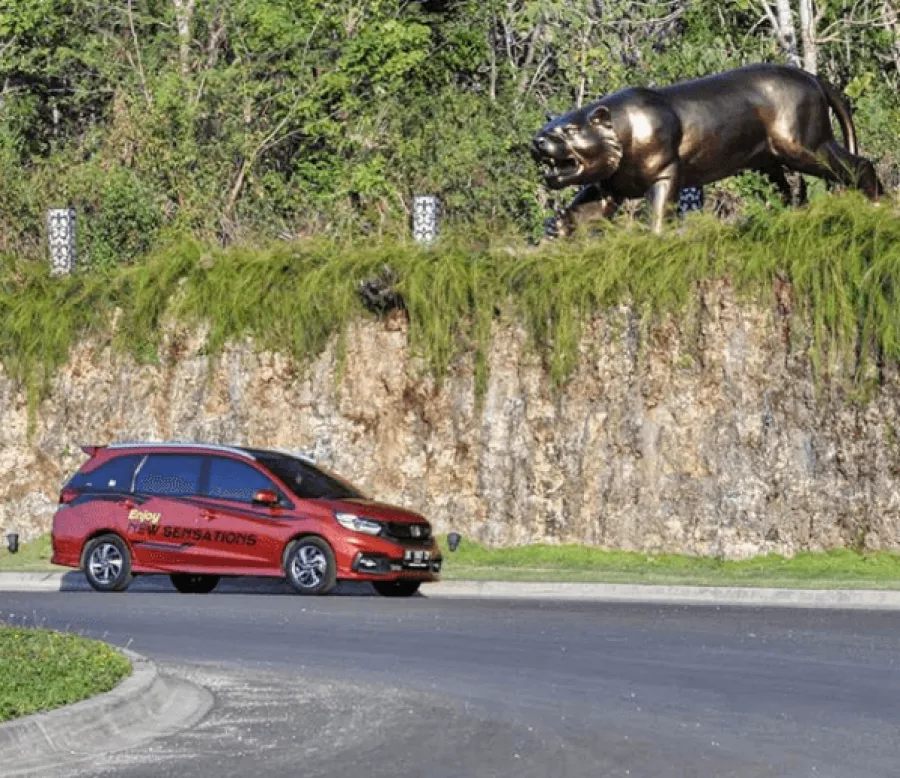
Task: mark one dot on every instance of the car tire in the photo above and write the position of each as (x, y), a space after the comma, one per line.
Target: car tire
(310, 567)
(396, 588)
(189, 583)
(107, 564)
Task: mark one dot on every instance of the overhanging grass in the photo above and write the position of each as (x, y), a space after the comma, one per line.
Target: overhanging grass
(41, 670)
(832, 569)
(841, 256)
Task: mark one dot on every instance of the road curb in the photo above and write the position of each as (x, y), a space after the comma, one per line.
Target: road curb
(34, 582)
(871, 599)
(145, 706)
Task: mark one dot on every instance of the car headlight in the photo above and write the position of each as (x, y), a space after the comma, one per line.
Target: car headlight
(358, 524)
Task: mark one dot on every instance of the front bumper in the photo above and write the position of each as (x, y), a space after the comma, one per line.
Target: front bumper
(380, 565)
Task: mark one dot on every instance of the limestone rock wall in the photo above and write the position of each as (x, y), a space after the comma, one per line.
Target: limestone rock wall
(716, 442)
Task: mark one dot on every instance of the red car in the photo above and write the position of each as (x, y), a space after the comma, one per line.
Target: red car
(199, 512)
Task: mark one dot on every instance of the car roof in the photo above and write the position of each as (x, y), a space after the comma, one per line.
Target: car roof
(242, 451)
(174, 445)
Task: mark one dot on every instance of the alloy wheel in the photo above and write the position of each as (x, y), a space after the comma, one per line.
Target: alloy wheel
(106, 563)
(309, 566)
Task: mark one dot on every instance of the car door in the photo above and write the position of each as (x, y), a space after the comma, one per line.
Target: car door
(238, 534)
(163, 524)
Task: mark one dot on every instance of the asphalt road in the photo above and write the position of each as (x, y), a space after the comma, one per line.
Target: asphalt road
(439, 688)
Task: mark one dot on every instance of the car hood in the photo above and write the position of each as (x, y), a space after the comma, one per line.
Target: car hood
(380, 511)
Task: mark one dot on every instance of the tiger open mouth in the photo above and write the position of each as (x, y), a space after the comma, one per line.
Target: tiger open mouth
(559, 172)
(558, 168)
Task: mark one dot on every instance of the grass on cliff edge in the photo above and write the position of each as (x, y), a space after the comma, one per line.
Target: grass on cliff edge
(840, 256)
(41, 670)
(838, 569)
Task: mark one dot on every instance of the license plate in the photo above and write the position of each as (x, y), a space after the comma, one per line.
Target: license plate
(418, 558)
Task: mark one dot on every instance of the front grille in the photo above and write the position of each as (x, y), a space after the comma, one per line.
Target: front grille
(406, 533)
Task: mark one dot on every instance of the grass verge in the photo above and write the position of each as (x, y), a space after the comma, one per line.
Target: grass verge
(41, 670)
(33, 557)
(838, 569)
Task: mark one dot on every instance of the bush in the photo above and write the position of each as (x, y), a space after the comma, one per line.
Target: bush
(118, 216)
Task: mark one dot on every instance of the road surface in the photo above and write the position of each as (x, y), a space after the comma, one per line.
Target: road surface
(360, 685)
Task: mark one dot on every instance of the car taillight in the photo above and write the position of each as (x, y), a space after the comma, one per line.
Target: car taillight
(67, 496)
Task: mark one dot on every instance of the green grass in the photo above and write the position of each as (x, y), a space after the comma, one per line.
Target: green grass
(840, 255)
(41, 670)
(841, 568)
(32, 557)
(826, 570)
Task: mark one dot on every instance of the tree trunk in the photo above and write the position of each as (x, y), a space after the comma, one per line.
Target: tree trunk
(808, 36)
(892, 18)
(492, 47)
(184, 14)
(533, 41)
(585, 43)
(783, 26)
(786, 32)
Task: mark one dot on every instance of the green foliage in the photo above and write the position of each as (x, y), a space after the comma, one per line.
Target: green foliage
(276, 117)
(41, 670)
(118, 217)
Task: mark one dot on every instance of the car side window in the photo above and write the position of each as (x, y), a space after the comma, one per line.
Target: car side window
(230, 479)
(112, 476)
(171, 475)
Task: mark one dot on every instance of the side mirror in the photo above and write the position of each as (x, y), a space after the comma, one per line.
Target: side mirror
(12, 542)
(266, 497)
(453, 540)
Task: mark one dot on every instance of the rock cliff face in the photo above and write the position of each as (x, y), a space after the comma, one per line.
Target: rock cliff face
(717, 442)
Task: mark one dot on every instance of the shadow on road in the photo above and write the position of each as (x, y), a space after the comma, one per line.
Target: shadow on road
(75, 581)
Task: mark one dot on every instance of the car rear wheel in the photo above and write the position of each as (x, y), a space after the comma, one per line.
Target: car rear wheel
(188, 583)
(396, 588)
(107, 564)
(310, 566)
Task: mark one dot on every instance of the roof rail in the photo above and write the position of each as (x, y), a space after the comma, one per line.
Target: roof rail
(302, 455)
(183, 444)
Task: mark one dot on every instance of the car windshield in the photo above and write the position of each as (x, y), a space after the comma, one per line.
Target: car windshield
(305, 480)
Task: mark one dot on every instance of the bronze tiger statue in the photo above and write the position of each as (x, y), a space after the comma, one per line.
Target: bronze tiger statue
(653, 142)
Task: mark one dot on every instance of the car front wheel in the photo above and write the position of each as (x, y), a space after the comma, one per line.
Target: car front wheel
(187, 583)
(107, 564)
(396, 588)
(310, 566)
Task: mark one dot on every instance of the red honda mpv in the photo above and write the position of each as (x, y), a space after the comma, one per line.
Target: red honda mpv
(199, 512)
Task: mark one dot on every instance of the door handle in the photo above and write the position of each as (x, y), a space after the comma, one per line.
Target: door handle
(207, 514)
(128, 504)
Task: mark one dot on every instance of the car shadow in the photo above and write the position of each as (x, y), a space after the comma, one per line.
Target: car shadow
(74, 581)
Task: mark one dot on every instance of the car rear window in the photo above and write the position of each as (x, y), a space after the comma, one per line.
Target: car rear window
(170, 474)
(112, 476)
(233, 480)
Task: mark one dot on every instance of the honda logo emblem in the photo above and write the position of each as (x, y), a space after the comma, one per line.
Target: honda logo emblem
(415, 531)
